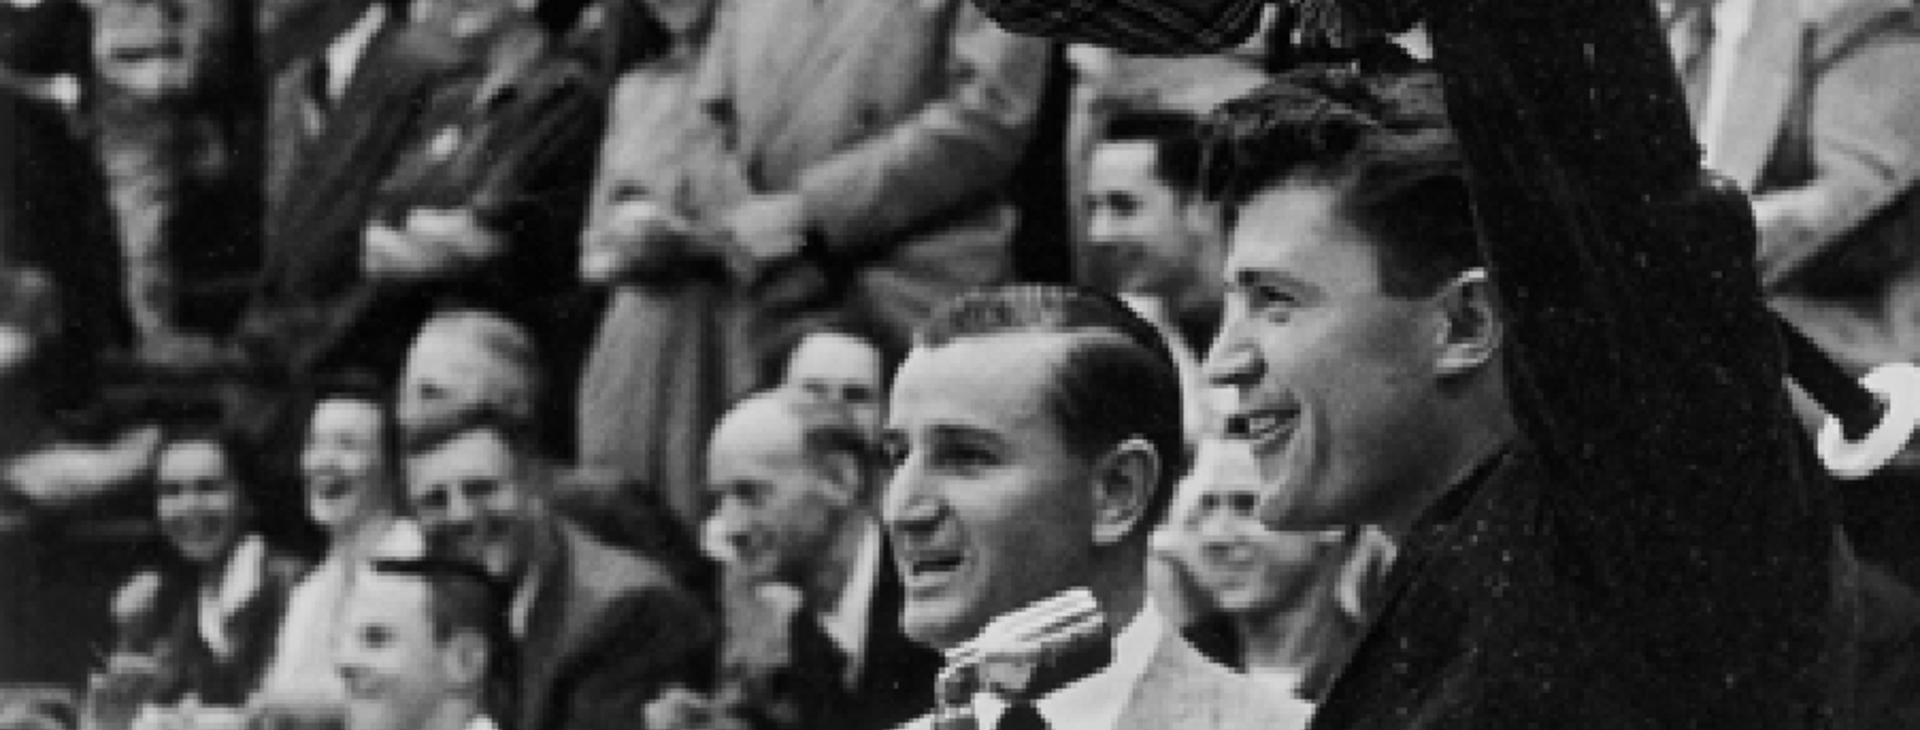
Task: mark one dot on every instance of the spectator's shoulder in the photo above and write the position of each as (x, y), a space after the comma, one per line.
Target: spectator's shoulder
(608, 571)
(1843, 25)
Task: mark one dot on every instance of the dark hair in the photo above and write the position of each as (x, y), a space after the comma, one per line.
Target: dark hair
(462, 597)
(241, 468)
(848, 326)
(1382, 139)
(360, 386)
(1176, 139)
(1117, 380)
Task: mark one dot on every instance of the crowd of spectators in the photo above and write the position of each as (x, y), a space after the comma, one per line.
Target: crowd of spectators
(605, 297)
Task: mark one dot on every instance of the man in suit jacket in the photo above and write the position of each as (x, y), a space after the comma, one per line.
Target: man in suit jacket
(1035, 436)
(601, 632)
(338, 122)
(793, 480)
(1804, 104)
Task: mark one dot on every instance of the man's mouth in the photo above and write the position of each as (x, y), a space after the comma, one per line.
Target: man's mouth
(934, 566)
(330, 487)
(1264, 425)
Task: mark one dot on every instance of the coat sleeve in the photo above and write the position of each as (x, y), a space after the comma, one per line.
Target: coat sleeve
(1865, 147)
(1643, 367)
(961, 146)
(641, 644)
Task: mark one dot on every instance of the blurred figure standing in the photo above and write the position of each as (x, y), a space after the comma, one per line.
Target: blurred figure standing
(1807, 105)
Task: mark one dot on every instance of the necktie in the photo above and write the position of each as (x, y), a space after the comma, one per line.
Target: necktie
(1021, 716)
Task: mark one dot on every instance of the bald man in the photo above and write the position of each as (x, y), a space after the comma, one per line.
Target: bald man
(793, 481)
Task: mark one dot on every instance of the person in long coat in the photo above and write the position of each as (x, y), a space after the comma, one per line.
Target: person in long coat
(859, 152)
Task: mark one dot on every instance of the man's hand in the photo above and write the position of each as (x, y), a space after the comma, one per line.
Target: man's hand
(432, 244)
(769, 227)
(679, 708)
(639, 238)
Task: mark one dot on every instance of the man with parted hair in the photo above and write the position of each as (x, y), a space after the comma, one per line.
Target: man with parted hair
(1034, 432)
(425, 647)
(601, 631)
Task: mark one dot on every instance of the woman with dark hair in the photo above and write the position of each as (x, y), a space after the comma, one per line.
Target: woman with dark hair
(207, 617)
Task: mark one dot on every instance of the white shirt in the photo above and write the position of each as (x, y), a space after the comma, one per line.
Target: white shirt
(1731, 21)
(846, 622)
(344, 54)
(1094, 703)
(238, 584)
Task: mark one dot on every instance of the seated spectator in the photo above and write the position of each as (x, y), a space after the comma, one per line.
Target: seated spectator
(208, 620)
(464, 358)
(1277, 614)
(353, 495)
(426, 648)
(1804, 104)
(601, 631)
(489, 201)
(795, 483)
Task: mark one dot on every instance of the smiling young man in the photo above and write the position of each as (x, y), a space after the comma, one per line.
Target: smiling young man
(1564, 402)
(602, 631)
(1035, 432)
(425, 647)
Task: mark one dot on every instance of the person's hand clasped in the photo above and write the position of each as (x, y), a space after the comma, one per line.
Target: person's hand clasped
(639, 239)
(431, 244)
(768, 228)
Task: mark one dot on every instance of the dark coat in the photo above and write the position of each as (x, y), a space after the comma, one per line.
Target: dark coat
(321, 189)
(1658, 548)
(607, 631)
(896, 678)
(188, 665)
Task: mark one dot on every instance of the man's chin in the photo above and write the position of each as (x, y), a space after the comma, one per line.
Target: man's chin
(938, 626)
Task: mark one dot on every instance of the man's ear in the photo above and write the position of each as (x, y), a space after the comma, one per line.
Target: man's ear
(1470, 327)
(1124, 482)
(464, 659)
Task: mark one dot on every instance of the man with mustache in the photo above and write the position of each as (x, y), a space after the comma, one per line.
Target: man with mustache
(1034, 432)
(601, 631)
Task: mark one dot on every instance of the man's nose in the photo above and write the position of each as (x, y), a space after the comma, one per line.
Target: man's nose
(910, 506)
(1233, 360)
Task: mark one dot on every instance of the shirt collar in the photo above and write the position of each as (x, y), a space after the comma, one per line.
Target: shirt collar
(346, 51)
(1094, 703)
(846, 622)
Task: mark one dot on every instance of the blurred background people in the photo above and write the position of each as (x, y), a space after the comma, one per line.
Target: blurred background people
(601, 631)
(488, 200)
(795, 482)
(1276, 595)
(1801, 104)
(852, 161)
